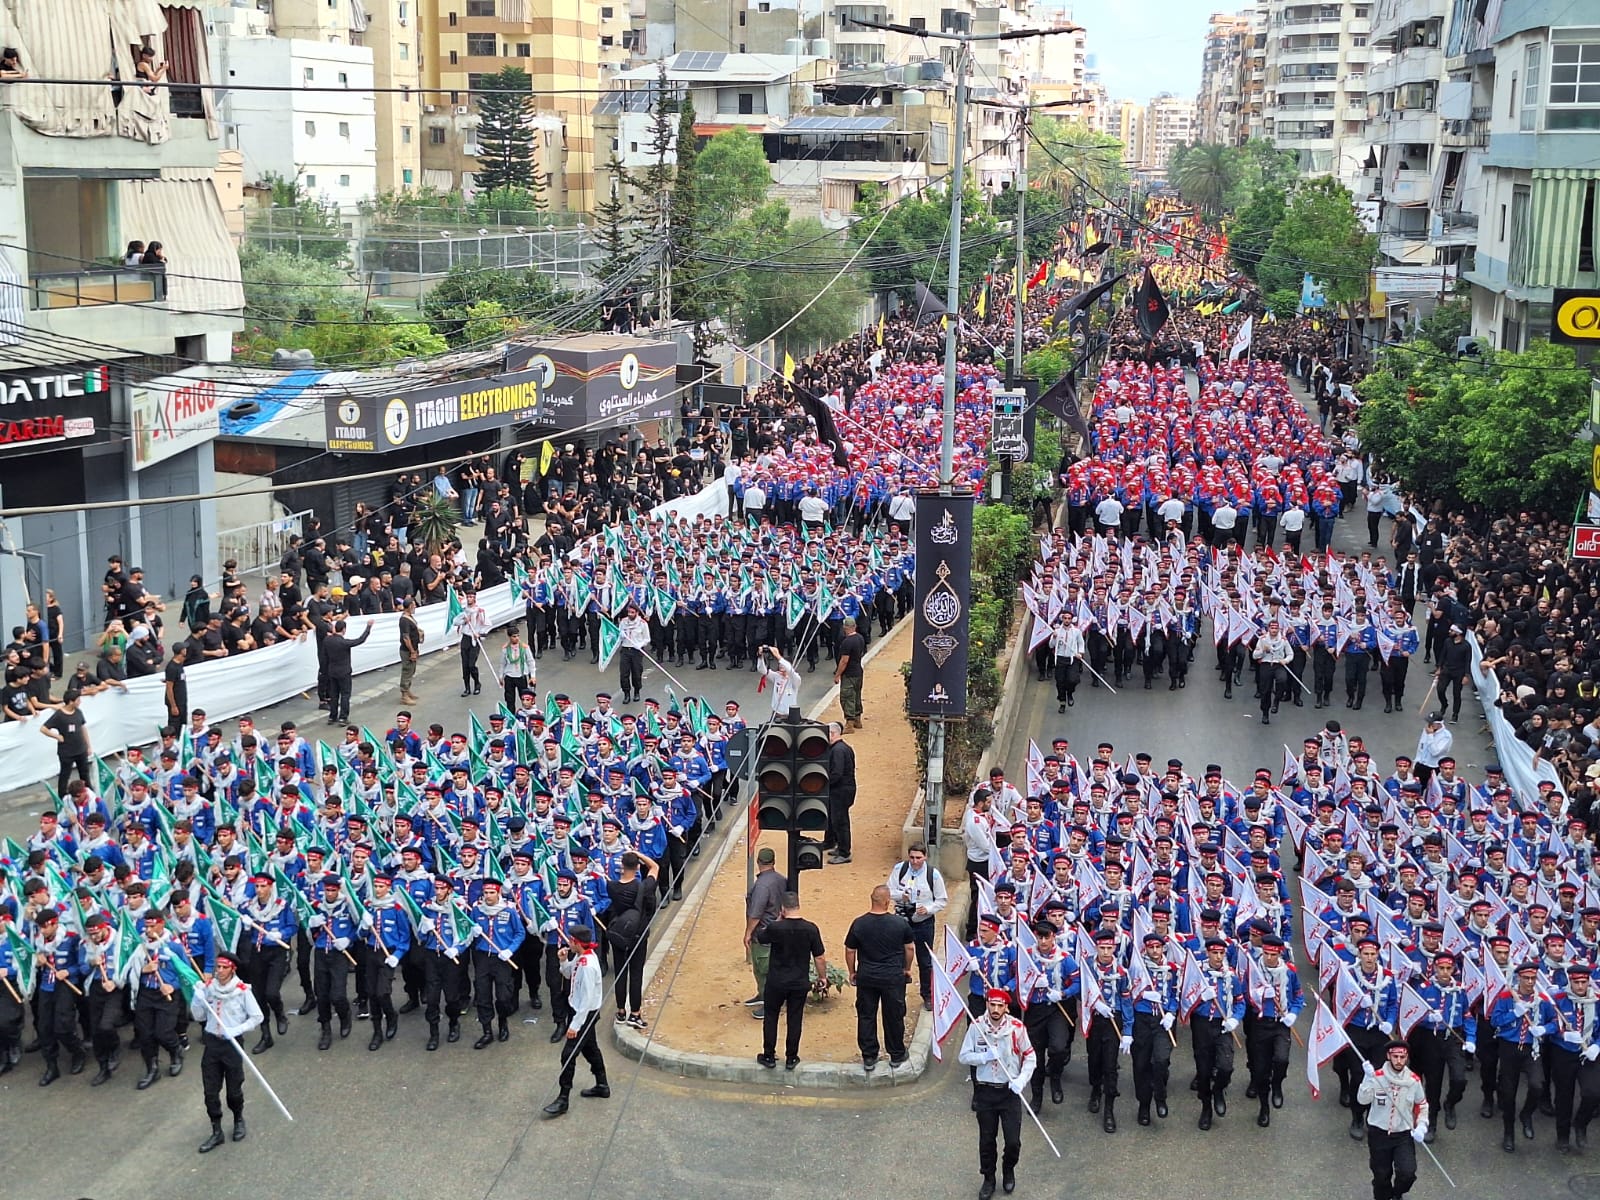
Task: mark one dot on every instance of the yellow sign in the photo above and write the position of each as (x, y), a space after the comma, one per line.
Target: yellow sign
(1575, 317)
(1594, 469)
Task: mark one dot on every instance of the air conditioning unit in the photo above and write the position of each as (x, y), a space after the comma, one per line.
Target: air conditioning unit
(472, 150)
(428, 108)
(462, 110)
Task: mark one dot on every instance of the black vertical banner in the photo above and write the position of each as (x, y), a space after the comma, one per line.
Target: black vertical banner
(944, 596)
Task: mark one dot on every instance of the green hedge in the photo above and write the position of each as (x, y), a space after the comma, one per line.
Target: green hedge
(1002, 553)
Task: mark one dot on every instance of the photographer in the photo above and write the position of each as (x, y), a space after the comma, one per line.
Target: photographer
(779, 676)
(916, 888)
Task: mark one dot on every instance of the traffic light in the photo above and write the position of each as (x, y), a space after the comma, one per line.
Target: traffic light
(792, 777)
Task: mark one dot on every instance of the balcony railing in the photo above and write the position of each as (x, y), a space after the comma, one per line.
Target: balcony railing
(112, 285)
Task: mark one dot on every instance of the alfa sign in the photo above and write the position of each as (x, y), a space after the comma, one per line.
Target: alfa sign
(173, 414)
(1575, 318)
(1586, 541)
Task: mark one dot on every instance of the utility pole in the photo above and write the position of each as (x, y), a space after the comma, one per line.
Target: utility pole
(933, 803)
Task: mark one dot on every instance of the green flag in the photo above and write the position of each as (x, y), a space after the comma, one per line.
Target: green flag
(127, 943)
(477, 735)
(226, 919)
(189, 980)
(453, 609)
(23, 962)
(303, 910)
(794, 609)
(409, 903)
(358, 910)
(610, 639)
(466, 932)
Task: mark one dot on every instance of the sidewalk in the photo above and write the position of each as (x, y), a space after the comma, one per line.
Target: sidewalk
(697, 977)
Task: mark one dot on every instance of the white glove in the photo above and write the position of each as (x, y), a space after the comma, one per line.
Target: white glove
(1420, 1130)
(1368, 1069)
(1166, 1020)
(1053, 995)
(1591, 1053)
(1288, 1020)
(677, 831)
(426, 925)
(1469, 1047)
(1537, 1031)
(1208, 993)
(1153, 996)
(341, 943)
(391, 961)
(366, 921)
(1522, 1007)
(1101, 1007)
(1016, 1085)
(1573, 1036)
(1229, 1024)
(1385, 1028)
(317, 921)
(505, 956)
(1126, 1045)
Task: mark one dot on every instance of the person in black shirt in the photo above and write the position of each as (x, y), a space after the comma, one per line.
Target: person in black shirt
(70, 730)
(878, 953)
(337, 649)
(795, 944)
(631, 902)
(852, 648)
(177, 687)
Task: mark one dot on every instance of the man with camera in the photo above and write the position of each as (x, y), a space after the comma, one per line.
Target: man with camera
(917, 891)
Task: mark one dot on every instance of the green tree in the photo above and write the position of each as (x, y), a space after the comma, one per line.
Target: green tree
(1322, 235)
(299, 224)
(689, 303)
(1204, 175)
(613, 229)
(1251, 232)
(1046, 212)
(505, 131)
(1068, 154)
(783, 295)
(731, 176)
(1259, 165)
(911, 245)
(527, 298)
(1441, 327)
(514, 201)
(282, 286)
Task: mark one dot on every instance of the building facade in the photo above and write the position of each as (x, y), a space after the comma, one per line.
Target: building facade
(1315, 98)
(1169, 123)
(1222, 78)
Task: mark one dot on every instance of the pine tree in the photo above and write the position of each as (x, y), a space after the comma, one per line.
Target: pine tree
(683, 234)
(613, 230)
(505, 131)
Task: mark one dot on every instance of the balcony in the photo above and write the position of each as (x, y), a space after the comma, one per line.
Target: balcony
(1411, 249)
(1309, 24)
(1326, 55)
(83, 289)
(1409, 187)
(1454, 229)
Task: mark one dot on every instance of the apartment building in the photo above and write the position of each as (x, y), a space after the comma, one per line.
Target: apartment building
(1222, 80)
(1535, 99)
(1315, 103)
(1128, 124)
(1169, 122)
(100, 362)
(557, 42)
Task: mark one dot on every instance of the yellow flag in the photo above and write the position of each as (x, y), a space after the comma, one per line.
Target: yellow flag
(1089, 236)
(1316, 326)
(788, 366)
(880, 328)
(983, 301)
(547, 455)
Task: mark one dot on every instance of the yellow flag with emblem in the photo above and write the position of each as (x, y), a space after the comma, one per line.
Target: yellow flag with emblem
(788, 366)
(880, 328)
(546, 456)
(983, 302)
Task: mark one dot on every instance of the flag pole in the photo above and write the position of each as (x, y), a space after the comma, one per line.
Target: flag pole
(1437, 1163)
(262, 1079)
(1028, 1108)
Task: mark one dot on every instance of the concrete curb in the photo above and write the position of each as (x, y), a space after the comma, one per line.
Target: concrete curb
(642, 1047)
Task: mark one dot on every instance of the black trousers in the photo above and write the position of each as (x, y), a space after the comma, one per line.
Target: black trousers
(220, 1066)
(1369, 1042)
(1068, 672)
(559, 987)
(105, 1010)
(891, 998)
(269, 967)
(586, 1045)
(511, 687)
(469, 664)
(380, 988)
(339, 697)
(1434, 1053)
(1213, 1055)
(1052, 1041)
(11, 1016)
(1267, 1043)
(999, 1112)
(491, 980)
(1101, 1049)
(1152, 1058)
(630, 670)
(1516, 1064)
(155, 1022)
(330, 974)
(57, 1022)
(1488, 1057)
(629, 983)
(445, 986)
(922, 942)
(1563, 1087)
(1393, 1159)
(782, 996)
(838, 836)
(68, 763)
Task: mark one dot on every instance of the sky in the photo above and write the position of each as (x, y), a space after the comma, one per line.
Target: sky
(1146, 47)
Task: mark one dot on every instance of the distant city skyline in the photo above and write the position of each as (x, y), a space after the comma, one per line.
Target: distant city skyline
(1146, 48)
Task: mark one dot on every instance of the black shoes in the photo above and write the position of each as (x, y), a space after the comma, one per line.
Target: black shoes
(1277, 1095)
(1094, 1100)
(986, 1188)
(344, 1026)
(600, 1091)
(1264, 1117)
(103, 1075)
(215, 1140)
(1008, 1180)
(1161, 1107)
(557, 1107)
(1109, 1121)
(557, 1034)
(325, 1038)
(790, 1064)
(768, 1061)
(283, 1026)
(1509, 1144)
(239, 1130)
(1056, 1094)
(1527, 1128)
(53, 1073)
(265, 1042)
(1205, 1117)
(1219, 1101)
(376, 1041)
(76, 1063)
(1449, 1116)
(454, 1032)
(306, 1009)
(148, 1079)
(533, 1002)
(488, 1039)
(433, 1035)
(1144, 1114)
(504, 1032)
(412, 1004)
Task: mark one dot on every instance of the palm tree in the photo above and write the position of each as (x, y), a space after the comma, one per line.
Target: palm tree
(433, 520)
(1073, 154)
(1204, 174)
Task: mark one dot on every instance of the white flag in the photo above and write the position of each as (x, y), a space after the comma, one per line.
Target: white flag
(1244, 339)
(1327, 1039)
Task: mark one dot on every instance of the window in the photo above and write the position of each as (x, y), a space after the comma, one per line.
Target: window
(405, 135)
(344, 129)
(1511, 100)
(741, 18)
(481, 45)
(405, 175)
(1532, 62)
(1586, 254)
(344, 79)
(344, 181)
(405, 11)
(764, 7)
(311, 181)
(480, 8)
(70, 222)
(524, 49)
(920, 24)
(607, 12)
(452, 19)
(311, 129)
(436, 135)
(405, 51)
(747, 104)
(308, 73)
(452, 58)
(607, 40)
(1517, 256)
(1574, 86)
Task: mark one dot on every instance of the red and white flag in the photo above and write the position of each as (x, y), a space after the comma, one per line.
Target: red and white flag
(947, 1005)
(1028, 974)
(1413, 1008)
(1327, 1039)
(1191, 985)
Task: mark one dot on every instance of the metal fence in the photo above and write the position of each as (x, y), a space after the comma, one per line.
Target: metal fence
(262, 545)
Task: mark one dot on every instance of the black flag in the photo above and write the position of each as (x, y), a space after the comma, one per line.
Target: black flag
(1150, 310)
(1099, 247)
(1061, 399)
(1084, 299)
(925, 305)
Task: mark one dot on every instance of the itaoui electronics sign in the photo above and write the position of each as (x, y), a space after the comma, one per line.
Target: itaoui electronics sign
(68, 405)
(634, 385)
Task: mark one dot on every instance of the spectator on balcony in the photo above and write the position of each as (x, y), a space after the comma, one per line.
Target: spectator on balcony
(154, 256)
(11, 64)
(135, 254)
(149, 71)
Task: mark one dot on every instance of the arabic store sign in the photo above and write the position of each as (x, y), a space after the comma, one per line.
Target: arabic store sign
(60, 404)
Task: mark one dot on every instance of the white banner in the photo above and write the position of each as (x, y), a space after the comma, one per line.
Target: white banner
(1516, 758)
(226, 688)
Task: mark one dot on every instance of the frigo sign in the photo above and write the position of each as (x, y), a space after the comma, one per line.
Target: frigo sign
(1575, 318)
